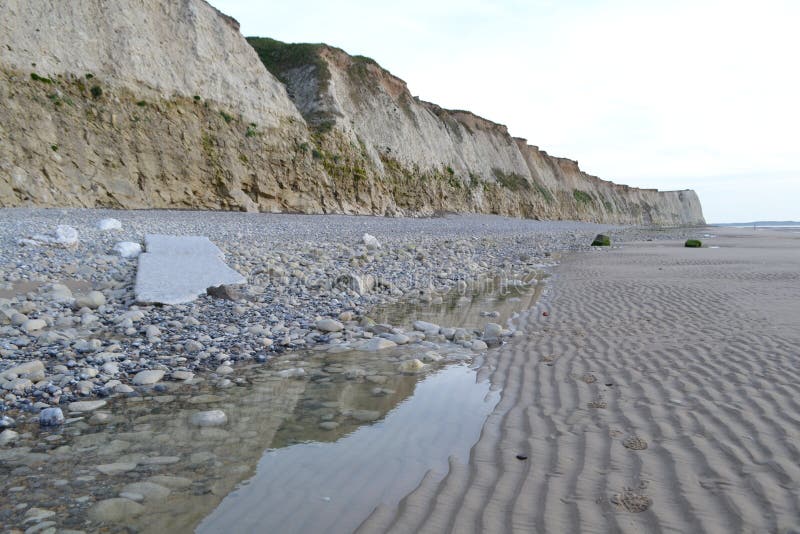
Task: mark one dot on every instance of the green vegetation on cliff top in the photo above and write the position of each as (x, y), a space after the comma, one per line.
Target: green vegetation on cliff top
(280, 57)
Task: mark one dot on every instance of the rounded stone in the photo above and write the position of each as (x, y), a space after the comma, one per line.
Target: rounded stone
(33, 325)
(378, 343)
(478, 345)
(209, 418)
(149, 490)
(145, 378)
(86, 406)
(51, 417)
(115, 510)
(411, 366)
(329, 325)
(92, 300)
(492, 330)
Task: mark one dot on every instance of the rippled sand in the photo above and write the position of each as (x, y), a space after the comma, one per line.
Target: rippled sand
(660, 393)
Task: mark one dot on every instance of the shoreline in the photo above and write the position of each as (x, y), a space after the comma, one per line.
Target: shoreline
(658, 394)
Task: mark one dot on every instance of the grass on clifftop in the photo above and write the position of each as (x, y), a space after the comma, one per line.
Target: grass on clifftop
(280, 57)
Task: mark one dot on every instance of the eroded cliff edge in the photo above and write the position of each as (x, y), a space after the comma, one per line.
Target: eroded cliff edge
(154, 104)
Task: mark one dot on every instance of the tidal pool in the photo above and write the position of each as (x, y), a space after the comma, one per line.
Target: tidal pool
(332, 487)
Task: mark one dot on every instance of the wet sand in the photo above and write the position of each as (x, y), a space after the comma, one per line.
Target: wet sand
(661, 392)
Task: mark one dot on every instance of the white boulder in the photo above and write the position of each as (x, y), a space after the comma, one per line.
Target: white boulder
(128, 249)
(109, 224)
(177, 269)
(371, 241)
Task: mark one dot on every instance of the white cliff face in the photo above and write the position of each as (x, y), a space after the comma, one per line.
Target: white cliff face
(374, 110)
(372, 105)
(175, 47)
(190, 117)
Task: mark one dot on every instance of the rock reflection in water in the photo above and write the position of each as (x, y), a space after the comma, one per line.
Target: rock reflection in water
(332, 487)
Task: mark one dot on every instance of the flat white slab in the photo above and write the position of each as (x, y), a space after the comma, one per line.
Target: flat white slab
(177, 269)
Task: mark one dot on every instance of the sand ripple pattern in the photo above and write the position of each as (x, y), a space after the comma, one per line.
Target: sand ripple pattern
(692, 421)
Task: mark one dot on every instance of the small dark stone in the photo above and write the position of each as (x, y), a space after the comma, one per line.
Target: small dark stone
(693, 243)
(609, 384)
(226, 292)
(522, 457)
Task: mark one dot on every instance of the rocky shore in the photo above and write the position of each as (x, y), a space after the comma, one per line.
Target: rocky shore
(72, 332)
(121, 404)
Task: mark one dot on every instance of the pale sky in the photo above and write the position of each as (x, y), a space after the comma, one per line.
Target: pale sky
(674, 94)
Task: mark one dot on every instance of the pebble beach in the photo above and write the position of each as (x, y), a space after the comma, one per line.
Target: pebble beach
(78, 352)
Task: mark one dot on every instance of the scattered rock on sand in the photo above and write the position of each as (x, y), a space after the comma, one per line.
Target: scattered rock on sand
(601, 240)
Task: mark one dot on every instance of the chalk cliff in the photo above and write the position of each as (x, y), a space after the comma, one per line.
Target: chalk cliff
(156, 104)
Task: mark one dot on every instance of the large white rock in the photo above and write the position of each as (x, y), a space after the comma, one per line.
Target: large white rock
(128, 249)
(109, 224)
(371, 241)
(64, 235)
(177, 269)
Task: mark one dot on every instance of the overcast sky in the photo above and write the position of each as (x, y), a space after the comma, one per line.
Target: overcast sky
(669, 94)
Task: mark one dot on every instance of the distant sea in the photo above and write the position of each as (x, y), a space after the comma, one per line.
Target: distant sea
(761, 224)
